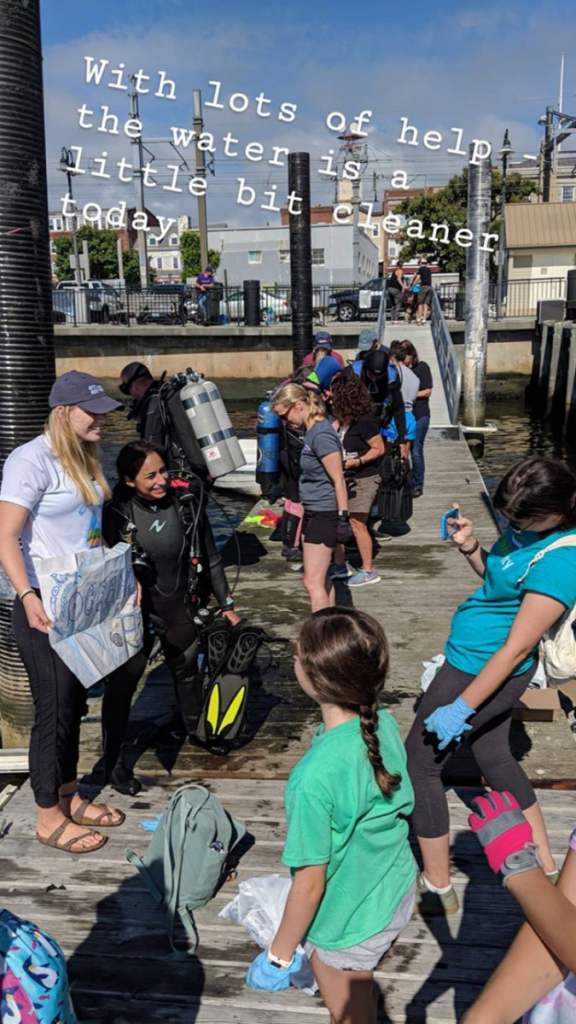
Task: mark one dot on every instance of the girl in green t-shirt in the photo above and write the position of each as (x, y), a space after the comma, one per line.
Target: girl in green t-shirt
(347, 804)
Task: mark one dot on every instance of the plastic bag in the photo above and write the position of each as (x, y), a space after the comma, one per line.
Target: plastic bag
(539, 680)
(431, 670)
(259, 908)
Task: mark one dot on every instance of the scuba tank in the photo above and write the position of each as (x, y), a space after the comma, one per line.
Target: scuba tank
(268, 429)
(211, 425)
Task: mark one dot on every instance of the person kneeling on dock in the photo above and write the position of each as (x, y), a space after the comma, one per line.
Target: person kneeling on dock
(529, 580)
(178, 566)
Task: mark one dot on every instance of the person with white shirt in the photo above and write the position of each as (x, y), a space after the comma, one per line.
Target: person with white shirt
(53, 490)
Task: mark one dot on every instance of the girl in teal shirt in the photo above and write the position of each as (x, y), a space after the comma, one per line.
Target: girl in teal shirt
(347, 807)
(491, 658)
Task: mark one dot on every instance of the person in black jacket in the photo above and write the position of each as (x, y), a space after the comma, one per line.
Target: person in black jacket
(383, 383)
(178, 567)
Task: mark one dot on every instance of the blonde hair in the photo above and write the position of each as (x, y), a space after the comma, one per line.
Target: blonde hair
(80, 459)
(291, 393)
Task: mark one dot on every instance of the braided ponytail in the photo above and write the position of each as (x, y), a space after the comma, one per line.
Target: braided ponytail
(344, 654)
(369, 729)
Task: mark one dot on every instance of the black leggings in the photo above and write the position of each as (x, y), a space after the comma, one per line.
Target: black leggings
(180, 647)
(489, 740)
(59, 703)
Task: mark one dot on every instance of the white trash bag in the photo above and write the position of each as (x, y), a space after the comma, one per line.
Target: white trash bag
(431, 669)
(259, 908)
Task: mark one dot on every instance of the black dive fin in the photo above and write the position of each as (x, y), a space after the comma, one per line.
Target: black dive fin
(226, 695)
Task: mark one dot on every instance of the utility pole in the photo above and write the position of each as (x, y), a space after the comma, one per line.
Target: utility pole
(120, 259)
(67, 163)
(198, 125)
(505, 153)
(354, 149)
(547, 151)
(138, 172)
(477, 292)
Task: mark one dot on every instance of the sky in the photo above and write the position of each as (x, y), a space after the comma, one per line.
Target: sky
(481, 68)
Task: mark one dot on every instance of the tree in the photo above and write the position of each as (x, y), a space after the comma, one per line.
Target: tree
(103, 255)
(448, 206)
(190, 255)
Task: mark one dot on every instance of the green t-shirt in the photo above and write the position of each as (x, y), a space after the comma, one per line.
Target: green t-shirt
(481, 625)
(337, 815)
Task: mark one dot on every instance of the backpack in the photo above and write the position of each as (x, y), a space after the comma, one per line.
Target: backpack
(186, 861)
(558, 645)
(33, 978)
(395, 503)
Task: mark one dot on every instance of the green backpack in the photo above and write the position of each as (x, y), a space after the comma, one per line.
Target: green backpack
(186, 861)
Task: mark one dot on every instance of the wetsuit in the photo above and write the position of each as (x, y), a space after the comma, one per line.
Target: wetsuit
(163, 536)
(386, 394)
(291, 442)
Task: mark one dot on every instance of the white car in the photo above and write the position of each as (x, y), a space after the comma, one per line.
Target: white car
(234, 307)
(103, 301)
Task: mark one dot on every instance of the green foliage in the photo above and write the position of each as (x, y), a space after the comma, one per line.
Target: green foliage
(448, 206)
(102, 251)
(190, 255)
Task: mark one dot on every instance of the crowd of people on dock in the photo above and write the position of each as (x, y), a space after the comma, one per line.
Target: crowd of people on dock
(352, 799)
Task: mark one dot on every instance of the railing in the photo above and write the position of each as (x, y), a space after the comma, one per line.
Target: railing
(521, 298)
(177, 304)
(448, 362)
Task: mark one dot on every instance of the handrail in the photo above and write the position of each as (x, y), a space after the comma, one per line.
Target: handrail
(381, 321)
(448, 362)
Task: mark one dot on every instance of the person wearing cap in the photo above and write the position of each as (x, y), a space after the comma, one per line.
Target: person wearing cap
(368, 341)
(204, 285)
(53, 490)
(322, 343)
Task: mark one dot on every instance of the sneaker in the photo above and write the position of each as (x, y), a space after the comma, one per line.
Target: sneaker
(340, 572)
(435, 904)
(362, 578)
(417, 493)
(296, 566)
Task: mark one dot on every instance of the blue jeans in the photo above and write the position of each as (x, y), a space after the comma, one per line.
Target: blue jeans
(418, 453)
(202, 304)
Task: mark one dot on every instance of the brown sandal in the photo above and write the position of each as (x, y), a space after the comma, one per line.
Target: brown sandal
(66, 847)
(79, 819)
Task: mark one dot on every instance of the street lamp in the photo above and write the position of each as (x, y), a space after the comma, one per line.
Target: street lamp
(505, 153)
(67, 165)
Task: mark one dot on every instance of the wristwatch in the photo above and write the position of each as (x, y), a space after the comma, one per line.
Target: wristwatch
(282, 965)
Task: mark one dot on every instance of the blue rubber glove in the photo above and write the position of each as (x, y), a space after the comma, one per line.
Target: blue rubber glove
(449, 722)
(151, 824)
(263, 975)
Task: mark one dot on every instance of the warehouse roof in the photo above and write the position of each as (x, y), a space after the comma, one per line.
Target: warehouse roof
(540, 225)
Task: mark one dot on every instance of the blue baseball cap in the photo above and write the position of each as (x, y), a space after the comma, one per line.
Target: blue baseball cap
(322, 339)
(366, 339)
(84, 390)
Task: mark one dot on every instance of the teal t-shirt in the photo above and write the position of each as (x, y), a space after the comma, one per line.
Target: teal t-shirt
(337, 815)
(481, 625)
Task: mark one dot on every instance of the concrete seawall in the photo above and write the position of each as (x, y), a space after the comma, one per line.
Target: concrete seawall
(250, 353)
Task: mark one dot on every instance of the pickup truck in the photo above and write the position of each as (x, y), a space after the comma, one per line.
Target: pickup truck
(93, 301)
(346, 304)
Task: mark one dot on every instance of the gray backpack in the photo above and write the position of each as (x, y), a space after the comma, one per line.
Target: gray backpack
(187, 858)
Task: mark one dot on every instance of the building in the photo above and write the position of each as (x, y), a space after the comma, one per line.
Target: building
(263, 254)
(563, 185)
(60, 226)
(541, 249)
(164, 254)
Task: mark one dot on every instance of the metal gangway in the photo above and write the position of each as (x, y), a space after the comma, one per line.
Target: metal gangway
(435, 347)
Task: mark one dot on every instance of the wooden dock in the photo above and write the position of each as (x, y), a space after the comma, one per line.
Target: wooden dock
(109, 926)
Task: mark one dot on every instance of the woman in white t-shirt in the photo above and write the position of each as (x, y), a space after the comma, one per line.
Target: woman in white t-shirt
(53, 490)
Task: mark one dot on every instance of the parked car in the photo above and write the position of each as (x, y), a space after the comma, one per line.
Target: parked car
(234, 307)
(160, 304)
(346, 304)
(104, 303)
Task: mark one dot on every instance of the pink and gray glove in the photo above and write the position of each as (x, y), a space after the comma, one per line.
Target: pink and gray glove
(505, 834)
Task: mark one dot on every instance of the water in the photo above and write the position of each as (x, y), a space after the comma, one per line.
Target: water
(520, 433)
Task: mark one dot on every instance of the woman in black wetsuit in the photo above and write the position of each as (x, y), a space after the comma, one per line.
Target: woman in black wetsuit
(162, 523)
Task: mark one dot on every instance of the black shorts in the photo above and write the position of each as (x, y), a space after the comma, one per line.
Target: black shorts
(320, 528)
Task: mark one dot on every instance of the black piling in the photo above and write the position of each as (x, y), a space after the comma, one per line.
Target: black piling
(300, 256)
(252, 303)
(27, 366)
